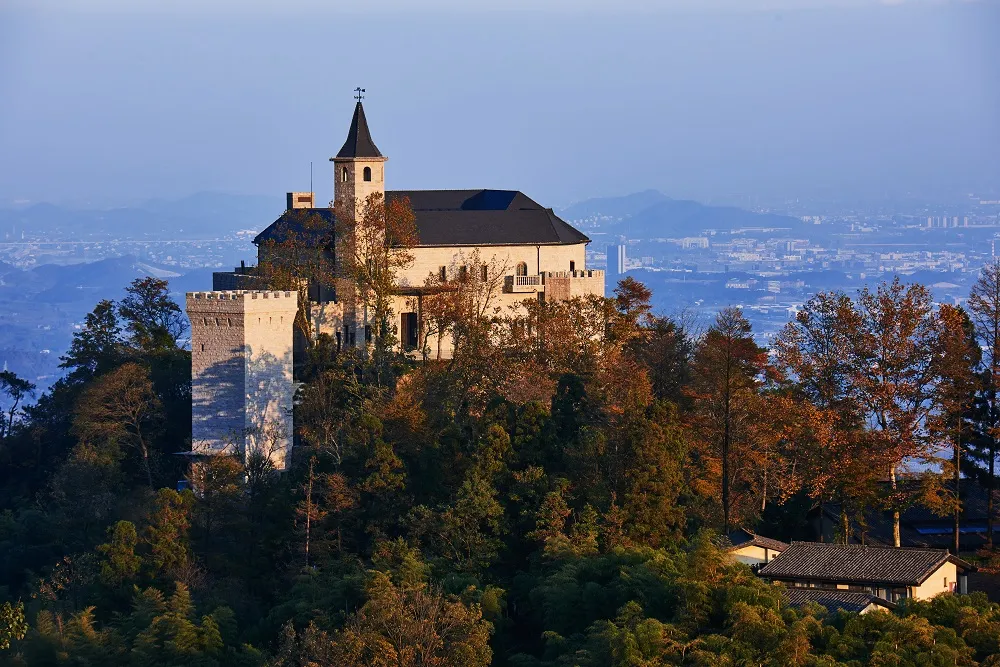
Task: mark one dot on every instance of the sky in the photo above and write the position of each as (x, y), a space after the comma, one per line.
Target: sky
(116, 101)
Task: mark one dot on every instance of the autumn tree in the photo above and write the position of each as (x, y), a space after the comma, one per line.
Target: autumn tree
(957, 356)
(837, 458)
(122, 406)
(373, 244)
(984, 308)
(892, 372)
(725, 378)
(400, 626)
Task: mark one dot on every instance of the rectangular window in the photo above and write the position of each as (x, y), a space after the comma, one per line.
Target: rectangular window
(408, 330)
(572, 265)
(368, 333)
(485, 273)
(463, 272)
(443, 273)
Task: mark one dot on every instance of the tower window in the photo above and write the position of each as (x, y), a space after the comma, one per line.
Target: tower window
(343, 174)
(368, 173)
(572, 265)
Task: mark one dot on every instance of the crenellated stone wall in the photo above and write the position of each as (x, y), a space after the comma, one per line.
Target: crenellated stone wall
(563, 285)
(241, 372)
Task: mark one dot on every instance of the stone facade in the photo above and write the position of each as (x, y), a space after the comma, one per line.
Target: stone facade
(241, 372)
(564, 285)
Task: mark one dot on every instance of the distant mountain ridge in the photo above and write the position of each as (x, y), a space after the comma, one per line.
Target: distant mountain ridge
(202, 215)
(652, 214)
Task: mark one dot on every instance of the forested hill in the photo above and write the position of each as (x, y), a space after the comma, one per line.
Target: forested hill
(554, 495)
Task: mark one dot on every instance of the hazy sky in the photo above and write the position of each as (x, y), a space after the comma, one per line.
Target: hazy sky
(125, 99)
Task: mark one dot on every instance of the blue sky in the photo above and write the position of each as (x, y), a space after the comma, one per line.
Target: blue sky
(118, 101)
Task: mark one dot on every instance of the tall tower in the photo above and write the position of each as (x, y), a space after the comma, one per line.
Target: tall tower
(358, 171)
(359, 167)
(241, 373)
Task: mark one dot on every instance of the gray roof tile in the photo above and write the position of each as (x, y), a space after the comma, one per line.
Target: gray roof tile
(834, 600)
(854, 563)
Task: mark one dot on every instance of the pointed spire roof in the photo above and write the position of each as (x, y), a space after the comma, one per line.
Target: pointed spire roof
(359, 140)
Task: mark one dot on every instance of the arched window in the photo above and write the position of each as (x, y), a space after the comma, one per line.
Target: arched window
(521, 269)
(368, 173)
(343, 174)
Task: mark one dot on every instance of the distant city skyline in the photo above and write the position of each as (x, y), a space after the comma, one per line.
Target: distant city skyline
(845, 100)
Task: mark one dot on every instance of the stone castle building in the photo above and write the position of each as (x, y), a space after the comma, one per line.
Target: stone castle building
(534, 254)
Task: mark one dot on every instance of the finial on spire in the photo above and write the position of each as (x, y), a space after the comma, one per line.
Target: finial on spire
(359, 94)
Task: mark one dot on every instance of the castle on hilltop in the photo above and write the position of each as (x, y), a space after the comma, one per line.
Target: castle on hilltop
(243, 339)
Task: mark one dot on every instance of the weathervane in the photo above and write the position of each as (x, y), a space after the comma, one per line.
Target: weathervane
(359, 94)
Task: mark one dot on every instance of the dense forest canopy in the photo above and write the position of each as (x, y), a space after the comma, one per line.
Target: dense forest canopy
(556, 494)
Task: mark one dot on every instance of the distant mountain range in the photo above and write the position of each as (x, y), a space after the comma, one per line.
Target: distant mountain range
(40, 307)
(202, 215)
(652, 214)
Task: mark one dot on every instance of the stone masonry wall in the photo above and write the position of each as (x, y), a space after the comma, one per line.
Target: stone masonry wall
(241, 371)
(563, 285)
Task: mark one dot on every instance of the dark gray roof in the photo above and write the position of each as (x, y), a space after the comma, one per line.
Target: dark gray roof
(359, 140)
(464, 218)
(854, 563)
(833, 599)
(743, 538)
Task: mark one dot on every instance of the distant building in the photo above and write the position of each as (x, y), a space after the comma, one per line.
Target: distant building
(616, 265)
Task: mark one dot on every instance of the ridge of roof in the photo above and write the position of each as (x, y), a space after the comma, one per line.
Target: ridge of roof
(843, 563)
(756, 540)
(834, 599)
(359, 140)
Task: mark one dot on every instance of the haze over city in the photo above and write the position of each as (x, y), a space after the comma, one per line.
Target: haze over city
(112, 102)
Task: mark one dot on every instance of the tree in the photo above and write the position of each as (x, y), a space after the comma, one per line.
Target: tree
(373, 245)
(957, 357)
(892, 372)
(120, 563)
(838, 460)
(411, 626)
(984, 307)
(300, 257)
(167, 533)
(98, 346)
(12, 624)
(16, 389)
(121, 406)
(725, 377)
(154, 321)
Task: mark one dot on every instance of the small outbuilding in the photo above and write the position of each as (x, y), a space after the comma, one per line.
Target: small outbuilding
(752, 549)
(837, 600)
(889, 573)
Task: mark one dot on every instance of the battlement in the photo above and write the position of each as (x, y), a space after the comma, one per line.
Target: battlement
(242, 301)
(241, 295)
(598, 273)
(561, 285)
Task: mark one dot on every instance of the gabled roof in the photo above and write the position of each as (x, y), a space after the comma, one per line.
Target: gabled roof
(745, 538)
(834, 600)
(462, 218)
(854, 563)
(359, 140)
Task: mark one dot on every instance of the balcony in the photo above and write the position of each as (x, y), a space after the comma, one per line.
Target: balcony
(524, 283)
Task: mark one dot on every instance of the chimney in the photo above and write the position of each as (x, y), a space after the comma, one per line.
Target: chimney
(299, 200)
